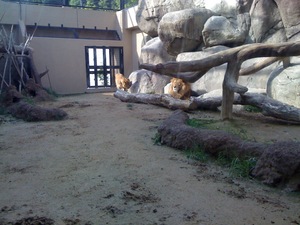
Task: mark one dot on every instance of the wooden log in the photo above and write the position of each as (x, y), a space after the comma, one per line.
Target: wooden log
(156, 99)
(278, 163)
(175, 133)
(230, 86)
(269, 107)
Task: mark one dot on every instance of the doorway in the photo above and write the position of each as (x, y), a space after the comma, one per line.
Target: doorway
(102, 63)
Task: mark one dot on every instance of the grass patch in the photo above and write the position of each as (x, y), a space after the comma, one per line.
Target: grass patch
(51, 92)
(197, 153)
(129, 106)
(252, 109)
(198, 123)
(156, 139)
(238, 167)
(228, 126)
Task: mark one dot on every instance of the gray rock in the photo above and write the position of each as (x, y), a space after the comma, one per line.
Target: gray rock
(213, 79)
(144, 81)
(150, 12)
(284, 85)
(266, 23)
(290, 15)
(153, 52)
(218, 30)
(181, 31)
(259, 79)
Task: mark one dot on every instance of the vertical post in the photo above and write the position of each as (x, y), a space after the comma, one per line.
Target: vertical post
(122, 4)
(229, 84)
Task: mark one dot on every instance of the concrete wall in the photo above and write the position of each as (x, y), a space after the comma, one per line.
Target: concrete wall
(65, 58)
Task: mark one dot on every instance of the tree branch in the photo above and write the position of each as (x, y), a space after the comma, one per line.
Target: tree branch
(193, 70)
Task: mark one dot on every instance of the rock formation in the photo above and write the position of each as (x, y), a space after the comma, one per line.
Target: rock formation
(222, 23)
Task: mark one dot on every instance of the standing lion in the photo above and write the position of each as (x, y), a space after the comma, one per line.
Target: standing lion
(122, 82)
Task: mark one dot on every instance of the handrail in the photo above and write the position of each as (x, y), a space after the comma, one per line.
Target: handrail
(66, 3)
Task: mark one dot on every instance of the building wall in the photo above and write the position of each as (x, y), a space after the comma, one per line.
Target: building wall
(65, 58)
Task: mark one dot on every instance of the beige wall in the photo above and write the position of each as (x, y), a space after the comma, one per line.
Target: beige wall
(57, 16)
(65, 58)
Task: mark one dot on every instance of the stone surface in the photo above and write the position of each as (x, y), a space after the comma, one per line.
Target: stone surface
(271, 22)
(218, 30)
(266, 23)
(290, 14)
(181, 31)
(150, 12)
(153, 52)
(284, 85)
(144, 81)
(213, 79)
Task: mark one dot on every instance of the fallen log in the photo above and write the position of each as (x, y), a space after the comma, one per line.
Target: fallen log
(268, 106)
(175, 133)
(34, 113)
(278, 163)
(271, 107)
(155, 99)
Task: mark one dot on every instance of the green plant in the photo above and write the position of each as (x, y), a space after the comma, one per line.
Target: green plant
(197, 153)
(242, 167)
(129, 106)
(228, 126)
(157, 139)
(51, 92)
(198, 123)
(253, 109)
(29, 100)
(238, 167)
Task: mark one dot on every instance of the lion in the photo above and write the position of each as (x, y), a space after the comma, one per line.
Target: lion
(180, 89)
(122, 82)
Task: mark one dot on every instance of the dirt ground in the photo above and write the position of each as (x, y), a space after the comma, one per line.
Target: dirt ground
(100, 166)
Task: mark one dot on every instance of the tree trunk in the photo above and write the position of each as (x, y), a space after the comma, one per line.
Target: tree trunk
(269, 106)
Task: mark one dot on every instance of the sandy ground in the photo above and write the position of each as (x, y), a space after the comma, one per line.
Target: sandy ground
(100, 166)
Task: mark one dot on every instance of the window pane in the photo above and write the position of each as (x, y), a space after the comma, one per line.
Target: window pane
(91, 56)
(92, 80)
(107, 55)
(99, 55)
(108, 80)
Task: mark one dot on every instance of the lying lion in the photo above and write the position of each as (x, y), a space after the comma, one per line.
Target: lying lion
(122, 82)
(180, 89)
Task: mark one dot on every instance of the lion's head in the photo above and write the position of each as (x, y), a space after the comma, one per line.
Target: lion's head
(177, 84)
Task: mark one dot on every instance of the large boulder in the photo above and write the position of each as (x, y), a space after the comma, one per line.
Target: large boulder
(266, 23)
(153, 52)
(213, 79)
(218, 30)
(290, 15)
(181, 31)
(150, 12)
(284, 85)
(144, 81)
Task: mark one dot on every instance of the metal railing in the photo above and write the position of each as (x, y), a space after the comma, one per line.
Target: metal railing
(114, 5)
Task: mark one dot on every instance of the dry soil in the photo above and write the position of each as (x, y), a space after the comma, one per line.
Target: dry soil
(100, 166)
